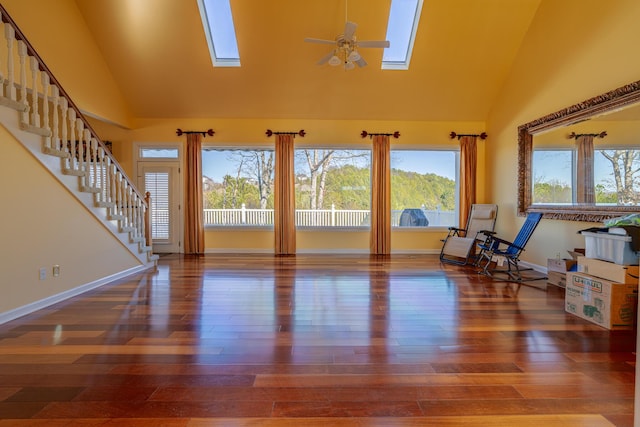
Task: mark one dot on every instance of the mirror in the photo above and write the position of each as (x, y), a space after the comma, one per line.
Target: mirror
(561, 131)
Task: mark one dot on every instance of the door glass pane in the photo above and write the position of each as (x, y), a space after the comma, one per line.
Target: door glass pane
(157, 183)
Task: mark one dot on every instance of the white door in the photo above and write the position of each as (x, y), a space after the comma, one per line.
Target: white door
(162, 179)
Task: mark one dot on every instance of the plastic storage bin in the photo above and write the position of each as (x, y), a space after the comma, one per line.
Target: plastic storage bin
(610, 247)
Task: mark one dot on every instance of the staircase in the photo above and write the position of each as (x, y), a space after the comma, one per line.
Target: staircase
(40, 115)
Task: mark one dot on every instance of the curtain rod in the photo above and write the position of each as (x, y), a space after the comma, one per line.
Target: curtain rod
(209, 132)
(301, 132)
(482, 135)
(595, 135)
(364, 134)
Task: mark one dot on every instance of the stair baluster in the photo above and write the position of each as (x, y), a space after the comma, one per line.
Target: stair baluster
(46, 110)
(22, 54)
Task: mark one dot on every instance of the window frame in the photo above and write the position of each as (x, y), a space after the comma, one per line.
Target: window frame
(243, 147)
(139, 146)
(207, 27)
(574, 167)
(424, 148)
(402, 65)
(604, 147)
(350, 147)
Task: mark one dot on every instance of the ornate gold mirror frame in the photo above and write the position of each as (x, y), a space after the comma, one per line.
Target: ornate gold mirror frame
(605, 103)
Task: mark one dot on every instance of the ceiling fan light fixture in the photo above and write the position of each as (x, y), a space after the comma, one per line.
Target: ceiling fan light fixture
(345, 50)
(335, 61)
(354, 56)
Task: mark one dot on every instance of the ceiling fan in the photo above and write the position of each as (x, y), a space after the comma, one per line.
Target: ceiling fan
(346, 48)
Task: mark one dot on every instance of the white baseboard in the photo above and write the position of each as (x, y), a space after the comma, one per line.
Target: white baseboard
(321, 251)
(244, 251)
(534, 267)
(53, 299)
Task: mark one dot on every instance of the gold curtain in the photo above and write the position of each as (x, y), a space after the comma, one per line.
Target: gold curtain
(380, 243)
(284, 210)
(193, 221)
(468, 167)
(585, 191)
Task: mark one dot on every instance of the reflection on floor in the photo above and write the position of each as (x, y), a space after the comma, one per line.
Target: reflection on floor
(314, 340)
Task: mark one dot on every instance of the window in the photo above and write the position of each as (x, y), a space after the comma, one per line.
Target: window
(220, 32)
(615, 170)
(158, 153)
(332, 187)
(553, 172)
(237, 186)
(404, 17)
(424, 188)
(616, 176)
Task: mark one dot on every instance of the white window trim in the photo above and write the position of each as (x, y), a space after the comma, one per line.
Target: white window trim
(456, 152)
(238, 147)
(137, 146)
(217, 62)
(404, 65)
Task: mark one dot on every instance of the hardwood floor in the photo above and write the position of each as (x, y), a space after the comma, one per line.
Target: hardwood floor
(314, 341)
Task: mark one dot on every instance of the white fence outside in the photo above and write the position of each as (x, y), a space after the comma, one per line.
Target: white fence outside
(317, 218)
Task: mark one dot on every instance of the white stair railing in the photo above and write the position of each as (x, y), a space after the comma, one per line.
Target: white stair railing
(46, 110)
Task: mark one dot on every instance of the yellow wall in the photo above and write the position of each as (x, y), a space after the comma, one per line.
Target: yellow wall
(43, 225)
(59, 34)
(574, 50)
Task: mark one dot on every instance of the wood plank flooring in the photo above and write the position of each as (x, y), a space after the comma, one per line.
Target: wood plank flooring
(314, 340)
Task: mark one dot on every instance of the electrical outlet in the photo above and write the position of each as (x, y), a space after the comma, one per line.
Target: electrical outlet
(56, 270)
(43, 273)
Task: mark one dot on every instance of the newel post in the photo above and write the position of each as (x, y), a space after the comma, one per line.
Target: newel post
(147, 219)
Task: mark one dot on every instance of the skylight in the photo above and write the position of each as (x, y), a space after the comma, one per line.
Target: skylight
(220, 32)
(401, 32)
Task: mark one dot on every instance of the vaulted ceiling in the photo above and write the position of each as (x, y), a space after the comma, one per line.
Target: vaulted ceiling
(158, 54)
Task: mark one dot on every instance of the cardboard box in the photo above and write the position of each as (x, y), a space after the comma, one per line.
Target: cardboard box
(556, 278)
(556, 269)
(610, 271)
(560, 265)
(607, 304)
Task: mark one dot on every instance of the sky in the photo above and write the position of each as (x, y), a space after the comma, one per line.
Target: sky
(556, 165)
(216, 164)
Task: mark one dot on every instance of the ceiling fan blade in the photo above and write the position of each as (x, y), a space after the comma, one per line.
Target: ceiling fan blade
(361, 62)
(325, 58)
(349, 30)
(321, 41)
(374, 43)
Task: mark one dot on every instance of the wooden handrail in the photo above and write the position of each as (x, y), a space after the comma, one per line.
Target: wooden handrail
(6, 18)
